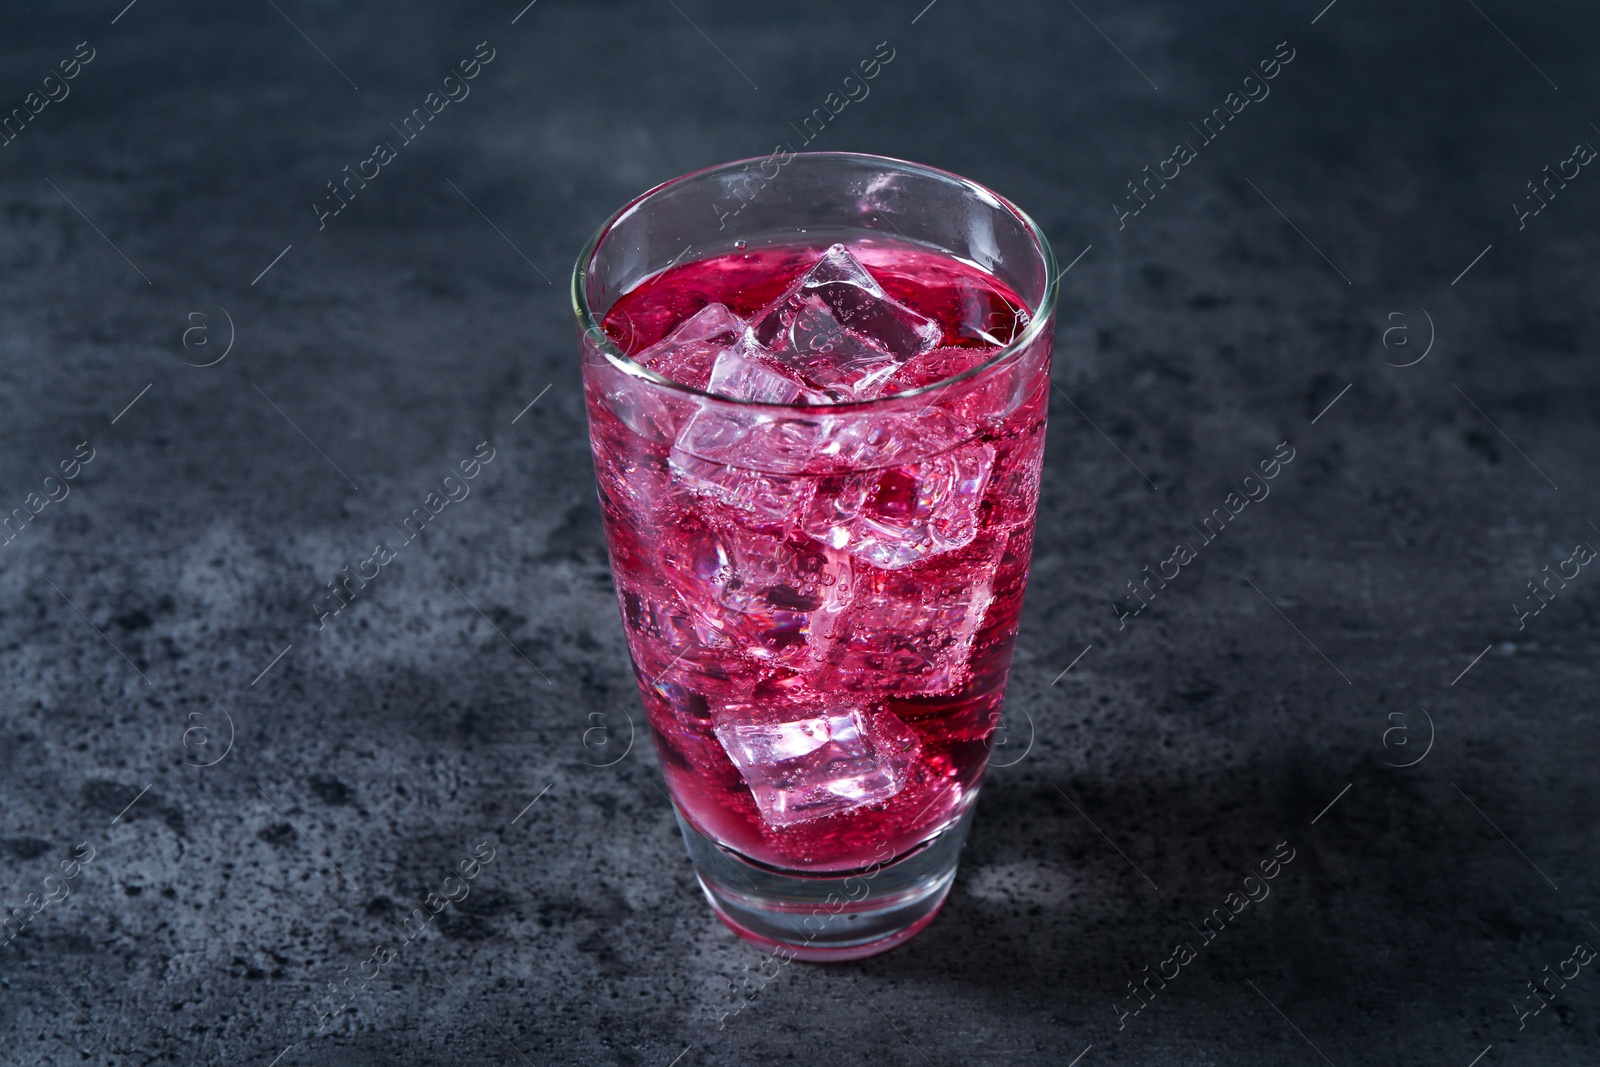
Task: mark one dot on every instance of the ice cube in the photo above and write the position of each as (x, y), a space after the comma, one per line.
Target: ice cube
(685, 663)
(839, 331)
(764, 596)
(728, 453)
(769, 497)
(661, 631)
(803, 764)
(898, 516)
(911, 632)
(834, 336)
(988, 396)
(744, 372)
(632, 481)
(1015, 482)
(986, 316)
(937, 364)
(687, 355)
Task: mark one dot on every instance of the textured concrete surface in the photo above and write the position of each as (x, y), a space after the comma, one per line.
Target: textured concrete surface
(218, 890)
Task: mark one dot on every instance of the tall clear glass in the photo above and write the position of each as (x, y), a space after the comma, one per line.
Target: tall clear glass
(821, 601)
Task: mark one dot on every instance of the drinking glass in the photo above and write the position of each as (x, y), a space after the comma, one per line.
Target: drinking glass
(820, 601)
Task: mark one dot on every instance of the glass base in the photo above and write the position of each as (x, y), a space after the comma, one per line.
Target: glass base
(832, 917)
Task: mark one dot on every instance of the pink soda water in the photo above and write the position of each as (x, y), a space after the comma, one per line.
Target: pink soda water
(821, 599)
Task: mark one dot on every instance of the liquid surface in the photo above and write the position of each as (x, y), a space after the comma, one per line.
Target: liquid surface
(822, 647)
(974, 312)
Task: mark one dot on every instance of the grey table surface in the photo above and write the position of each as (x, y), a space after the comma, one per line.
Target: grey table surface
(1352, 265)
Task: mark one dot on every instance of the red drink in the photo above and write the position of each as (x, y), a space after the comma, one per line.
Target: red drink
(821, 599)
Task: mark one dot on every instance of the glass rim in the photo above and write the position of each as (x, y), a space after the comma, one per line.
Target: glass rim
(624, 363)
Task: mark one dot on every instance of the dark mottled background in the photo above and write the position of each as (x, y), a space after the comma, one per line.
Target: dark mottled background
(485, 667)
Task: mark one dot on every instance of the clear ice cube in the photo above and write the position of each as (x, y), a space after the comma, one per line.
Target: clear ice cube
(985, 316)
(989, 396)
(766, 596)
(744, 372)
(835, 335)
(689, 353)
(897, 516)
(659, 621)
(912, 632)
(839, 331)
(756, 465)
(768, 497)
(726, 454)
(803, 764)
(937, 364)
